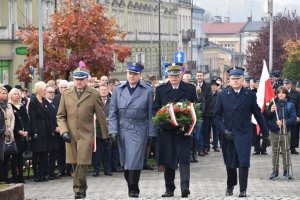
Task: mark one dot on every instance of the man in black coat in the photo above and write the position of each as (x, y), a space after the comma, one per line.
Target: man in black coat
(232, 115)
(206, 90)
(174, 147)
(63, 168)
(294, 96)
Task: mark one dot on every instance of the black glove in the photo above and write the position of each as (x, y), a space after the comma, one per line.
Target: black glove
(108, 143)
(267, 141)
(113, 137)
(66, 137)
(35, 136)
(228, 135)
(151, 140)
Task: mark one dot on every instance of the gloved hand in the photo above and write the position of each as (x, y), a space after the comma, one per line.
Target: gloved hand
(35, 136)
(267, 141)
(228, 135)
(113, 137)
(108, 142)
(66, 137)
(151, 140)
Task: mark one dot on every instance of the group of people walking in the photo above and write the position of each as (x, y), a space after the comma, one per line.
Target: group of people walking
(85, 124)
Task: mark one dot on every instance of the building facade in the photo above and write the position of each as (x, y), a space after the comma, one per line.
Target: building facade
(14, 15)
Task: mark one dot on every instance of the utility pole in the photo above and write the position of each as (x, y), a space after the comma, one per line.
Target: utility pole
(159, 41)
(268, 9)
(41, 52)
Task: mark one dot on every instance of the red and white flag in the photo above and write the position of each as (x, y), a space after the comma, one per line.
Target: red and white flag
(265, 92)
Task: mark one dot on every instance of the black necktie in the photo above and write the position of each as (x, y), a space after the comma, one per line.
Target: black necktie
(52, 104)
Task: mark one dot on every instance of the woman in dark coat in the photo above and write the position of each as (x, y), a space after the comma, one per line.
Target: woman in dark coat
(40, 131)
(20, 133)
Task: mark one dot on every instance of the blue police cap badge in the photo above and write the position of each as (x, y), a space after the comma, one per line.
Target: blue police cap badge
(81, 72)
(134, 67)
(236, 72)
(174, 68)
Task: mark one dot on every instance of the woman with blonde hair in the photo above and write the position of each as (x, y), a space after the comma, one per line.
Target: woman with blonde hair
(20, 133)
(40, 130)
(7, 111)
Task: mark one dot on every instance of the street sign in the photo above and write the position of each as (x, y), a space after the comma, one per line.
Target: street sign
(21, 50)
(179, 56)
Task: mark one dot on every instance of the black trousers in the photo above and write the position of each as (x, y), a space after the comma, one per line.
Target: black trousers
(53, 157)
(294, 136)
(169, 176)
(39, 163)
(132, 178)
(232, 177)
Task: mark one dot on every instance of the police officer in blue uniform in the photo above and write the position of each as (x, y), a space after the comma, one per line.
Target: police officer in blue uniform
(130, 123)
(232, 115)
(174, 147)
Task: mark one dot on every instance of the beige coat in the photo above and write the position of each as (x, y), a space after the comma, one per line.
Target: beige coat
(77, 117)
(9, 121)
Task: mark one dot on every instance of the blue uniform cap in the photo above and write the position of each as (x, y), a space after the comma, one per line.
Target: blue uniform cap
(134, 67)
(236, 72)
(275, 73)
(287, 81)
(174, 68)
(81, 73)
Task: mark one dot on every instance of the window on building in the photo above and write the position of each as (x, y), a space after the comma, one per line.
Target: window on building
(140, 57)
(4, 72)
(28, 11)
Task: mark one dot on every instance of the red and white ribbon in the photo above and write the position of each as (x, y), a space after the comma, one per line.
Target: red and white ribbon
(194, 120)
(172, 114)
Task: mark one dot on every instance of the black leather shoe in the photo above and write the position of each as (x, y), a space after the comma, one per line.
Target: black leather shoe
(61, 174)
(118, 169)
(148, 167)
(107, 173)
(37, 179)
(294, 151)
(95, 174)
(243, 194)
(185, 193)
(168, 194)
(133, 195)
(80, 195)
(256, 153)
(229, 191)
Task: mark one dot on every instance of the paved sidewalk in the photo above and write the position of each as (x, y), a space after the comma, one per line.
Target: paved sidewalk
(208, 181)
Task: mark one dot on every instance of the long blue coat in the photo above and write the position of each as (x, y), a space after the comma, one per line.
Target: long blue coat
(234, 113)
(130, 117)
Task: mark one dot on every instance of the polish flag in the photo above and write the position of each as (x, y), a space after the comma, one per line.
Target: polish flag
(265, 92)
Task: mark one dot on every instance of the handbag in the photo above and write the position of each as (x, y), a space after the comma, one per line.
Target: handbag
(10, 147)
(27, 154)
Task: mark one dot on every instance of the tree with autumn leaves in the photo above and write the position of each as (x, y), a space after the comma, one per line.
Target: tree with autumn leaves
(292, 65)
(286, 27)
(79, 31)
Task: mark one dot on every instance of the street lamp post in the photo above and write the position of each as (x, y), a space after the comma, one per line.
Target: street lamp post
(41, 52)
(271, 36)
(159, 40)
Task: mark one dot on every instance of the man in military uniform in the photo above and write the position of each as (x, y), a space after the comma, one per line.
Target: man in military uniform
(275, 79)
(130, 123)
(174, 147)
(75, 120)
(232, 115)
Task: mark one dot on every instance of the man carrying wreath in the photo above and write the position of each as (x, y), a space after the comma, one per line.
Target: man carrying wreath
(174, 147)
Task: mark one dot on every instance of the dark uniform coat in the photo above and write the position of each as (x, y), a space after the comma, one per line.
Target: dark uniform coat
(233, 112)
(294, 96)
(55, 138)
(76, 116)
(130, 117)
(165, 94)
(40, 124)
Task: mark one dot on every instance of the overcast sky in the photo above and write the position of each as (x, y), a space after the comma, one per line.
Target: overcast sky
(239, 10)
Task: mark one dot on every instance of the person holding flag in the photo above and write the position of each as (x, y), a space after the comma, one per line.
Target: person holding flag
(280, 116)
(232, 115)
